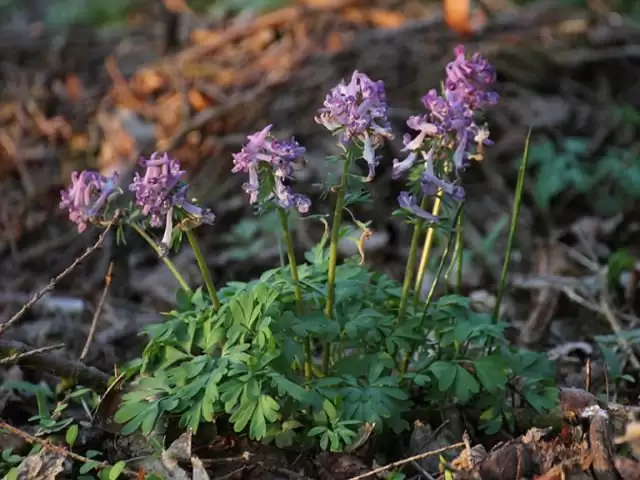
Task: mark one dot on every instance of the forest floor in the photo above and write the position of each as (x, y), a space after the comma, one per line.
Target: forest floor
(85, 97)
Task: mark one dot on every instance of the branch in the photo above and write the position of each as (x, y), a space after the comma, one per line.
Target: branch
(59, 449)
(61, 367)
(52, 283)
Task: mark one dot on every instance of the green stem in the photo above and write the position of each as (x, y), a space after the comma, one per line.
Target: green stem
(426, 250)
(432, 290)
(164, 258)
(513, 228)
(202, 264)
(457, 257)
(293, 266)
(411, 265)
(333, 253)
(460, 247)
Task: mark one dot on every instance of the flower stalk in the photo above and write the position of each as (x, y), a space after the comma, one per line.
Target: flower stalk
(161, 253)
(202, 264)
(341, 191)
(426, 250)
(411, 264)
(293, 266)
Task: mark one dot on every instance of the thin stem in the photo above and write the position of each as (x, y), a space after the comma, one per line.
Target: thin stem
(426, 249)
(333, 253)
(459, 253)
(432, 290)
(164, 258)
(514, 226)
(456, 259)
(202, 264)
(293, 266)
(411, 265)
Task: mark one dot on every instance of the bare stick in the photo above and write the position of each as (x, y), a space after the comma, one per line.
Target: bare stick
(58, 449)
(16, 357)
(96, 315)
(52, 283)
(82, 374)
(399, 463)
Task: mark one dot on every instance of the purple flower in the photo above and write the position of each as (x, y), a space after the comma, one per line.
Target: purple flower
(471, 79)
(449, 123)
(280, 156)
(87, 195)
(161, 189)
(409, 203)
(431, 183)
(358, 111)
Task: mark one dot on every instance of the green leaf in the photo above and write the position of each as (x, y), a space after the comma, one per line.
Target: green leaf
(541, 399)
(12, 474)
(72, 434)
(10, 457)
(445, 373)
(116, 470)
(87, 467)
(466, 386)
(330, 410)
(491, 372)
(266, 411)
(315, 431)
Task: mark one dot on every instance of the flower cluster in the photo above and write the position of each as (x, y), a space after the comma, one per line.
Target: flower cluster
(87, 196)
(279, 156)
(449, 122)
(358, 111)
(161, 189)
(449, 125)
(157, 193)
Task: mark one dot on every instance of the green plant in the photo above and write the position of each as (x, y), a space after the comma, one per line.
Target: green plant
(312, 351)
(608, 184)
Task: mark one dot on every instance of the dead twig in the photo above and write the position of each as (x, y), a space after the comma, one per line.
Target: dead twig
(82, 374)
(16, 357)
(59, 449)
(399, 463)
(52, 283)
(96, 315)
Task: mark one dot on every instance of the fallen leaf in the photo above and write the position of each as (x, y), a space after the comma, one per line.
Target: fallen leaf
(457, 15)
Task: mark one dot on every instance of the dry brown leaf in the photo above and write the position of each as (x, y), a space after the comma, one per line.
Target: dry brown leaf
(334, 42)
(74, 87)
(46, 465)
(197, 100)
(386, 18)
(457, 14)
(177, 6)
(627, 468)
(147, 82)
(631, 436)
(79, 142)
(355, 15)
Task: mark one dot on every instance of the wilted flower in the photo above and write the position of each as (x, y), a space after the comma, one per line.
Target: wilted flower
(280, 155)
(161, 189)
(87, 195)
(358, 111)
(408, 202)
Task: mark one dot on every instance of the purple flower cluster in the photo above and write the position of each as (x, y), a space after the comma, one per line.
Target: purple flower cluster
(87, 196)
(280, 156)
(158, 192)
(449, 123)
(161, 189)
(358, 111)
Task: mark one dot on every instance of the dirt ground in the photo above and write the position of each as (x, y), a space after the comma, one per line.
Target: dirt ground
(83, 97)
